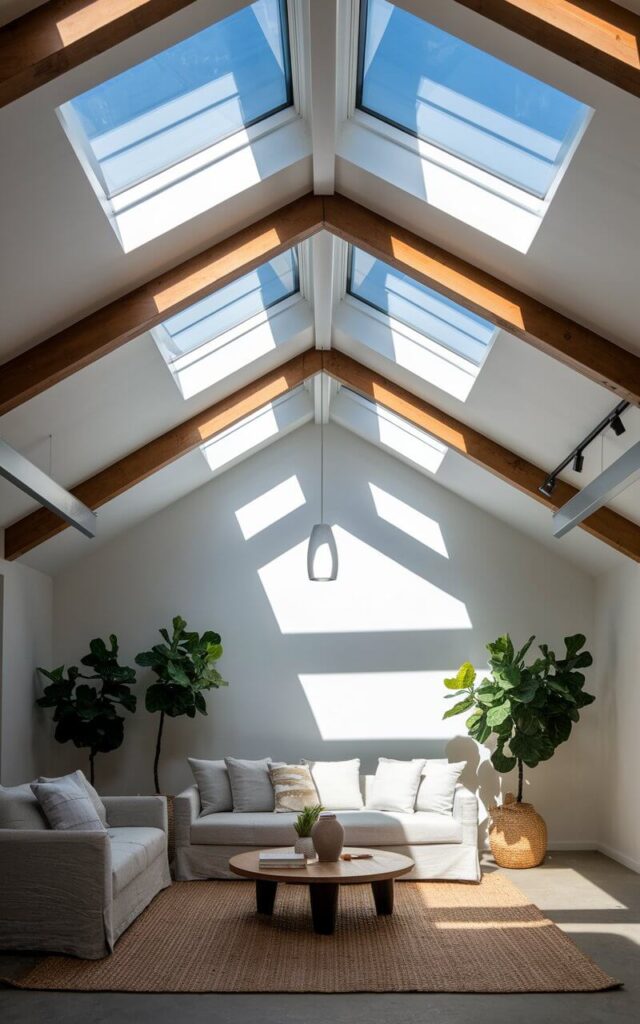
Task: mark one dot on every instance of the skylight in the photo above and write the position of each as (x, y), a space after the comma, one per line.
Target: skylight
(460, 99)
(229, 328)
(430, 314)
(221, 80)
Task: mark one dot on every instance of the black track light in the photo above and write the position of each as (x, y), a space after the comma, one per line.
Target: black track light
(578, 462)
(548, 486)
(618, 426)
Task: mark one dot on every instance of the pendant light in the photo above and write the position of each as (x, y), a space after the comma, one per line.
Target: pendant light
(322, 553)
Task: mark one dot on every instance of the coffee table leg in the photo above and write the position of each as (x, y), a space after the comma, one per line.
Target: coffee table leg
(265, 896)
(383, 896)
(324, 903)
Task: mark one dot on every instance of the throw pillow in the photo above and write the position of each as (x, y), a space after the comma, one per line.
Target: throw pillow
(337, 784)
(251, 787)
(212, 780)
(20, 809)
(67, 806)
(79, 777)
(395, 785)
(293, 787)
(439, 780)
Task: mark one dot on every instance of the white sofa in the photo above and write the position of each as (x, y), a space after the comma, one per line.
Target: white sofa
(442, 846)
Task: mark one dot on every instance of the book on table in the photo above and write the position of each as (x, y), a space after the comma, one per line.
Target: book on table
(278, 859)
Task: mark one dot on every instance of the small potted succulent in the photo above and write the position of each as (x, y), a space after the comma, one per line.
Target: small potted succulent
(303, 825)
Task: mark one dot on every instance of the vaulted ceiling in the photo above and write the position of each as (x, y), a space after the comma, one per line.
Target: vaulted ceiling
(63, 262)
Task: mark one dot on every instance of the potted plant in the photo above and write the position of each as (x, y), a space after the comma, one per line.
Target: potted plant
(303, 826)
(89, 715)
(530, 709)
(185, 668)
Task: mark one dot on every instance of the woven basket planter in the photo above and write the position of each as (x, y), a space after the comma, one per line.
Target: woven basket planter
(517, 835)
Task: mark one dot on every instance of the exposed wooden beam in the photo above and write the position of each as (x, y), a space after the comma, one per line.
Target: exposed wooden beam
(49, 362)
(61, 34)
(521, 315)
(606, 525)
(597, 35)
(41, 525)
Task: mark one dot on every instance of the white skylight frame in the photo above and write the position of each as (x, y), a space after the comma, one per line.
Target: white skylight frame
(374, 423)
(288, 322)
(151, 207)
(452, 185)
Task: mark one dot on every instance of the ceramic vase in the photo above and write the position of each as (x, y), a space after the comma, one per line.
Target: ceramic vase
(304, 844)
(328, 838)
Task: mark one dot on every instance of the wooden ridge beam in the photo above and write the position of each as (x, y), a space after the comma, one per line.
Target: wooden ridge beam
(41, 525)
(519, 314)
(608, 526)
(597, 35)
(61, 34)
(51, 361)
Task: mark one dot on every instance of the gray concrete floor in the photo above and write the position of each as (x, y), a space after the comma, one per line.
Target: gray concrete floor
(591, 897)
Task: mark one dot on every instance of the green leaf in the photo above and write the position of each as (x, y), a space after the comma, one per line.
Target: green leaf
(523, 650)
(574, 643)
(458, 708)
(464, 679)
(502, 762)
(498, 714)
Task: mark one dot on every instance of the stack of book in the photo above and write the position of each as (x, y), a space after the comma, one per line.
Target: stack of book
(281, 859)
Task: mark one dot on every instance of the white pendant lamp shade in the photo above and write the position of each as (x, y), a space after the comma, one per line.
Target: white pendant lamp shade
(322, 554)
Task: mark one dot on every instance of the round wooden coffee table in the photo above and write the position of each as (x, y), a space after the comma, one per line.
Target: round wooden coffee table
(324, 881)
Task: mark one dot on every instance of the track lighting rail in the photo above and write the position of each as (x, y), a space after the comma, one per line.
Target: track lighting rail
(577, 454)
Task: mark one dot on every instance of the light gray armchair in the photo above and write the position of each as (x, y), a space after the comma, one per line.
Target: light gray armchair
(76, 892)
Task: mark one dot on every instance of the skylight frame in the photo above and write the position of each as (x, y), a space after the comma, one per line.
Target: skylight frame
(358, 110)
(70, 119)
(412, 331)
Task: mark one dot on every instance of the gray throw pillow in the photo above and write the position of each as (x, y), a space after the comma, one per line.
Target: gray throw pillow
(250, 784)
(79, 777)
(19, 808)
(212, 780)
(67, 806)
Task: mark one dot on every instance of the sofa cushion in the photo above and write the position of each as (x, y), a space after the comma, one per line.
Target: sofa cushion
(67, 805)
(395, 786)
(212, 780)
(81, 779)
(19, 808)
(438, 785)
(362, 828)
(250, 784)
(133, 850)
(293, 787)
(337, 783)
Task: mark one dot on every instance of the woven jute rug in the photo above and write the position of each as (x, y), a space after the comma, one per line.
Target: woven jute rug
(442, 937)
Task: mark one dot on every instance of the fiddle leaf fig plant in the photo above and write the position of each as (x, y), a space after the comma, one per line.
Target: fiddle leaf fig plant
(530, 708)
(184, 665)
(88, 715)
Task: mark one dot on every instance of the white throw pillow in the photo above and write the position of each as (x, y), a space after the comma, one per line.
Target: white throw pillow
(214, 787)
(19, 808)
(395, 785)
(337, 783)
(250, 784)
(67, 806)
(79, 777)
(438, 785)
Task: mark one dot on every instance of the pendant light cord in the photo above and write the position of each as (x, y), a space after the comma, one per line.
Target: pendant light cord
(321, 449)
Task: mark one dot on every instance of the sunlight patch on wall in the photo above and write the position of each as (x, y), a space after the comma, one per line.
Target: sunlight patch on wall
(416, 524)
(373, 594)
(268, 508)
(380, 705)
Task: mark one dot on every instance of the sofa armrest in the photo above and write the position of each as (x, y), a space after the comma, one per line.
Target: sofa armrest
(186, 809)
(465, 810)
(136, 811)
(55, 891)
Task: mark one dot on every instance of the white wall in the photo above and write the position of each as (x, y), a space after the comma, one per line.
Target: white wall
(25, 640)
(328, 670)
(618, 648)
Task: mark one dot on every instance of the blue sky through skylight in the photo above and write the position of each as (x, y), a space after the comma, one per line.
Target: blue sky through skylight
(467, 102)
(225, 78)
(230, 306)
(426, 311)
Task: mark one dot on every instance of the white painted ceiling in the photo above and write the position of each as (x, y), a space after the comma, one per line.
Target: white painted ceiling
(61, 260)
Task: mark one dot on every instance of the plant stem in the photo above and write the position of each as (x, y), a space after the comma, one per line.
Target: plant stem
(92, 770)
(157, 756)
(520, 780)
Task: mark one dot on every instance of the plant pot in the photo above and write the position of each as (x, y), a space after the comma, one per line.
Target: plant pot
(304, 844)
(517, 834)
(328, 838)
